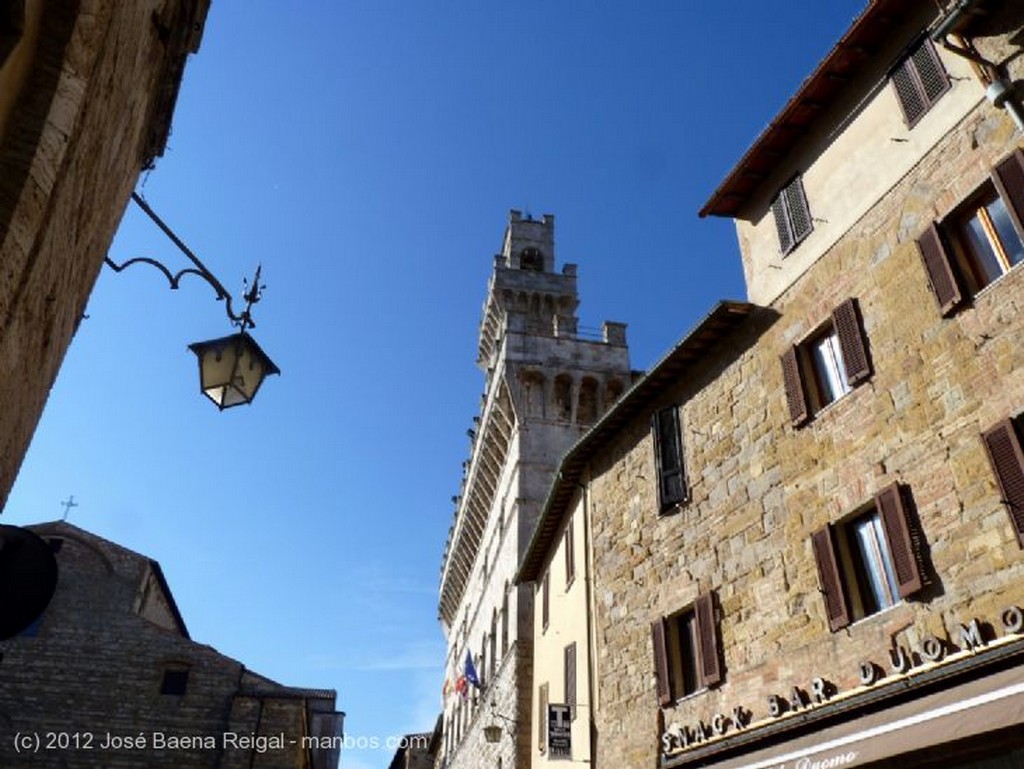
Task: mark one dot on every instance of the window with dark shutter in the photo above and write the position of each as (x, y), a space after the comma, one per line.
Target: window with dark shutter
(686, 655)
(792, 216)
(937, 265)
(981, 240)
(542, 718)
(826, 365)
(1008, 177)
(1004, 452)
(668, 455)
(570, 678)
(836, 608)
(919, 80)
(570, 554)
(707, 634)
(661, 661)
(869, 561)
(545, 601)
(796, 396)
(889, 503)
(852, 341)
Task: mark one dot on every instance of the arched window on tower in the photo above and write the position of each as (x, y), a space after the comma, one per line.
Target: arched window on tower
(563, 397)
(504, 623)
(612, 392)
(533, 384)
(586, 412)
(482, 672)
(494, 644)
(531, 259)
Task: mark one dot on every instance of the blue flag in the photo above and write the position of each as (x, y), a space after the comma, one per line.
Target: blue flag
(471, 675)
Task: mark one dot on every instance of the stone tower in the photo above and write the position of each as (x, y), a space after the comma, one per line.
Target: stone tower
(546, 383)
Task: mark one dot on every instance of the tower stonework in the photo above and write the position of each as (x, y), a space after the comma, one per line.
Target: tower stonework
(547, 382)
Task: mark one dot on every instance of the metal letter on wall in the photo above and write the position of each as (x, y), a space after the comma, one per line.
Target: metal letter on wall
(559, 731)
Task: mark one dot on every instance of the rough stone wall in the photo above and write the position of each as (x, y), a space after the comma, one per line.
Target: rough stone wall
(760, 487)
(504, 691)
(72, 148)
(96, 668)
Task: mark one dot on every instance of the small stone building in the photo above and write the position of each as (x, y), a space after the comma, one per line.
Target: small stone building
(805, 526)
(109, 677)
(87, 90)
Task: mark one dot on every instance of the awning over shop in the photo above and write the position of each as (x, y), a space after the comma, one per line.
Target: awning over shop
(976, 707)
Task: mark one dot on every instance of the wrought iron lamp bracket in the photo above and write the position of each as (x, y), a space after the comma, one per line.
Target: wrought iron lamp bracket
(252, 295)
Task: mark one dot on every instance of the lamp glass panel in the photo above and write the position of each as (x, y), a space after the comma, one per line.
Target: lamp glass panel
(232, 369)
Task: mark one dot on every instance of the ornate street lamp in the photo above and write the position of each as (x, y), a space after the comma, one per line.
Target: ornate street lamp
(232, 368)
(493, 732)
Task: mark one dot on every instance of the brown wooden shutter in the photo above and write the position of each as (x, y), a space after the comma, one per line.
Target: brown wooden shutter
(836, 607)
(1004, 452)
(941, 275)
(919, 80)
(852, 341)
(907, 92)
(669, 457)
(889, 502)
(545, 600)
(707, 638)
(796, 206)
(658, 633)
(570, 554)
(796, 395)
(542, 718)
(570, 678)
(1008, 177)
(782, 225)
(930, 72)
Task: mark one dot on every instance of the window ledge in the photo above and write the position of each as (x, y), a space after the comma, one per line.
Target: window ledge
(824, 410)
(686, 698)
(901, 603)
(675, 507)
(991, 286)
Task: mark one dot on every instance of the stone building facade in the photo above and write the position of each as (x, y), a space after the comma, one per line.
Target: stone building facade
(109, 677)
(806, 522)
(546, 382)
(87, 89)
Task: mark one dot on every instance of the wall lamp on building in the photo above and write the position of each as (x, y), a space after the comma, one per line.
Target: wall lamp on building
(231, 368)
(492, 732)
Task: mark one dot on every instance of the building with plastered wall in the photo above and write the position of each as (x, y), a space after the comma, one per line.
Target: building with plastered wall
(546, 382)
(87, 90)
(805, 525)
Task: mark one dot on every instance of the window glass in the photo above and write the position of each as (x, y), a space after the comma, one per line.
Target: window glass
(684, 652)
(1005, 232)
(985, 258)
(829, 369)
(873, 564)
(990, 242)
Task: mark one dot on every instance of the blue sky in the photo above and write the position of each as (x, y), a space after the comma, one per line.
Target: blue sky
(367, 153)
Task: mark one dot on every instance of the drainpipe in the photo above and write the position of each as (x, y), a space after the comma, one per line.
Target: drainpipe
(999, 90)
(591, 646)
(952, 17)
(999, 93)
